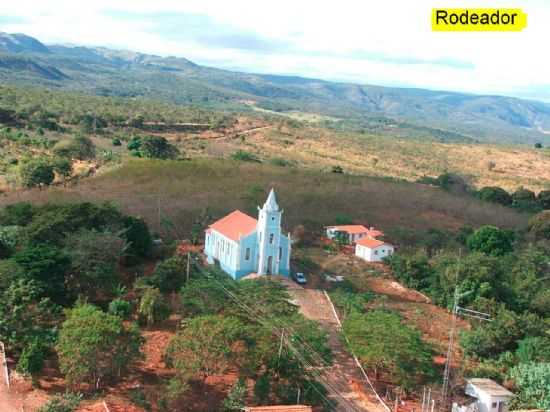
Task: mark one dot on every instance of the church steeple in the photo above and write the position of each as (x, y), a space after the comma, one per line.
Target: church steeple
(270, 204)
(269, 236)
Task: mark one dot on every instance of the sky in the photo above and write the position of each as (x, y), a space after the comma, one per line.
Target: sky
(383, 42)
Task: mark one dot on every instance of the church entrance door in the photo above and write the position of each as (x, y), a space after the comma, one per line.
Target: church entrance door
(269, 265)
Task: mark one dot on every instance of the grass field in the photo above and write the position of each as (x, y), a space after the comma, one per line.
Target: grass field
(172, 195)
(318, 148)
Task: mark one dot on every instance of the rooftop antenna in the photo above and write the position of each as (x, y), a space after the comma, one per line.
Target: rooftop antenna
(457, 311)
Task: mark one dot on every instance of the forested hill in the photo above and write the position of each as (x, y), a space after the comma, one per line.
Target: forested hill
(25, 60)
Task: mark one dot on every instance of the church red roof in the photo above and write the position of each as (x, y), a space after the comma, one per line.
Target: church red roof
(235, 225)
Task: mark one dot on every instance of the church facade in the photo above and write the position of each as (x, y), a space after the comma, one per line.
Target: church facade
(243, 245)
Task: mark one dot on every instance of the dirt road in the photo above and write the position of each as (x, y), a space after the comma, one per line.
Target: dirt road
(344, 376)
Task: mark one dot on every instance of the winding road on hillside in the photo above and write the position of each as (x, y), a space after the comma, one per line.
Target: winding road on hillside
(344, 375)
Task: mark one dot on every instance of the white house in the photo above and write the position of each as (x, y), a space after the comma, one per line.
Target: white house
(373, 250)
(243, 245)
(489, 396)
(352, 233)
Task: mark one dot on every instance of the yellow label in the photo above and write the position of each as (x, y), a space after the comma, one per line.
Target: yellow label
(478, 20)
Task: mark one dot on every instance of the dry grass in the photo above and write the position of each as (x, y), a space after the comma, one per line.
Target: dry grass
(186, 190)
(317, 148)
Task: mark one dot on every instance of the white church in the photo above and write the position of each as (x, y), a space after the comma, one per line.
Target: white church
(243, 245)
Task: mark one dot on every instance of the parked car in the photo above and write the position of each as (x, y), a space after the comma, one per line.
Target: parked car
(300, 278)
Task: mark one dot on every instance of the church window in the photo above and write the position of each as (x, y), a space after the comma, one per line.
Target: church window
(271, 238)
(247, 254)
(273, 218)
(280, 253)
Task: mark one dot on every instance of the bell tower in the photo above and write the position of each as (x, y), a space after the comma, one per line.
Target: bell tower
(269, 236)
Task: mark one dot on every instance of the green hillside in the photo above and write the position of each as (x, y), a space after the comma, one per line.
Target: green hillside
(189, 191)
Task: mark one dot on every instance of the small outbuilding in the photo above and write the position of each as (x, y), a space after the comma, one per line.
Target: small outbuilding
(352, 233)
(488, 396)
(282, 408)
(373, 250)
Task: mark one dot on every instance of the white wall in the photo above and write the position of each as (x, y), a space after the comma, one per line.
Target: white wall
(375, 254)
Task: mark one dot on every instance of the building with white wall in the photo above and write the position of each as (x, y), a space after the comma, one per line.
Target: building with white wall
(243, 245)
(373, 250)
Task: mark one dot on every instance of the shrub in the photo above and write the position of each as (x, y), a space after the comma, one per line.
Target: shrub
(37, 172)
(155, 147)
(544, 199)
(243, 156)
(491, 241)
(80, 147)
(32, 358)
(539, 225)
(66, 403)
(116, 142)
(152, 307)
(525, 200)
(496, 195)
(120, 308)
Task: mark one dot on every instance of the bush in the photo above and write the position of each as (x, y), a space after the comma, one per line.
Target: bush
(120, 308)
(495, 195)
(80, 147)
(155, 147)
(539, 225)
(116, 142)
(37, 172)
(544, 199)
(32, 359)
(243, 156)
(152, 307)
(66, 403)
(525, 200)
(491, 241)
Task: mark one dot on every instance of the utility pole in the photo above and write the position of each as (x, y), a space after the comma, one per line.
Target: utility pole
(457, 310)
(188, 265)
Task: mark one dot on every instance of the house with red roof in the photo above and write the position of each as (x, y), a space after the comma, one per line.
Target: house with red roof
(352, 233)
(373, 250)
(241, 244)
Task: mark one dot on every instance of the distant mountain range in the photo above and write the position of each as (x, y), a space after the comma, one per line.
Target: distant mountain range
(26, 61)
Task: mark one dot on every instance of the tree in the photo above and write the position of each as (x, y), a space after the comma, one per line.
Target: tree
(496, 195)
(138, 236)
(208, 345)
(36, 173)
(538, 145)
(382, 341)
(152, 307)
(94, 346)
(17, 214)
(32, 359)
(491, 241)
(94, 262)
(532, 381)
(169, 275)
(539, 225)
(544, 199)
(525, 199)
(47, 266)
(155, 147)
(79, 147)
(235, 400)
(63, 167)
(120, 308)
(534, 349)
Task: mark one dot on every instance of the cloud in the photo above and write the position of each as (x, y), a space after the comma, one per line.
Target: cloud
(386, 42)
(11, 20)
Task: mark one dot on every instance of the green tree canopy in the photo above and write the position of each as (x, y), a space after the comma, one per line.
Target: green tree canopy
(382, 341)
(36, 173)
(496, 195)
(491, 241)
(94, 346)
